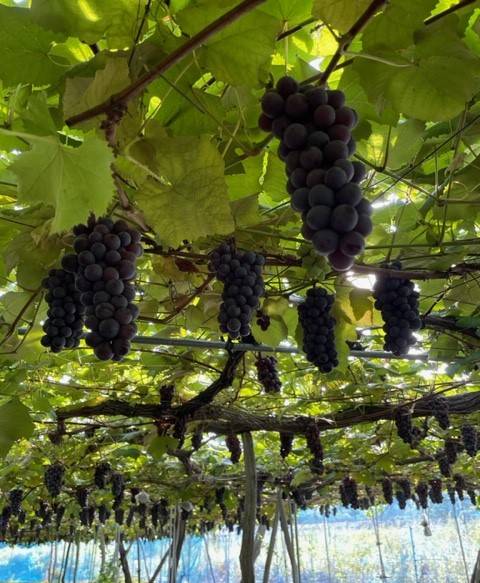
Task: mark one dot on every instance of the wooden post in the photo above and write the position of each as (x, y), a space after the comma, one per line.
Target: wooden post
(247, 565)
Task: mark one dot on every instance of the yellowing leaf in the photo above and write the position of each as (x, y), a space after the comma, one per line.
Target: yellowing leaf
(75, 181)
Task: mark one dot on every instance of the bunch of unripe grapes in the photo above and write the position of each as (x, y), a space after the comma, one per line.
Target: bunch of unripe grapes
(470, 439)
(106, 255)
(241, 274)
(314, 128)
(53, 478)
(267, 374)
(398, 302)
(318, 329)
(64, 324)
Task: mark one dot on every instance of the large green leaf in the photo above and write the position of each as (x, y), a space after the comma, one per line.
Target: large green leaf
(339, 14)
(24, 47)
(75, 181)
(15, 423)
(91, 20)
(192, 200)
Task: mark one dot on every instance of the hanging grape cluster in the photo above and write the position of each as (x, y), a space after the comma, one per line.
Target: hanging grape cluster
(318, 329)
(398, 302)
(267, 374)
(312, 435)
(314, 127)
(440, 409)
(15, 498)
(422, 492)
(241, 274)
(450, 450)
(106, 256)
(470, 439)
(435, 492)
(102, 475)
(53, 478)
(233, 445)
(403, 422)
(286, 443)
(387, 489)
(65, 316)
(349, 492)
(166, 395)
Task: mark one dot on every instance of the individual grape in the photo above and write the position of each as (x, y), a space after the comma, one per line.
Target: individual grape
(272, 104)
(316, 97)
(318, 139)
(267, 374)
(321, 195)
(286, 443)
(53, 478)
(300, 200)
(350, 194)
(318, 329)
(325, 241)
(324, 116)
(341, 133)
(286, 86)
(295, 136)
(233, 445)
(364, 225)
(335, 178)
(241, 274)
(311, 158)
(318, 217)
(339, 261)
(352, 244)
(336, 98)
(315, 177)
(364, 207)
(335, 150)
(359, 172)
(279, 125)
(392, 297)
(470, 439)
(344, 218)
(345, 116)
(296, 106)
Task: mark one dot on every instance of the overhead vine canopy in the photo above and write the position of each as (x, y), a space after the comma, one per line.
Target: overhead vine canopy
(147, 112)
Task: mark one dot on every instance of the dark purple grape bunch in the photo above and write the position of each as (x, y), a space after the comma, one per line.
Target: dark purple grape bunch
(403, 422)
(314, 127)
(314, 444)
(263, 320)
(102, 475)
(106, 255)
(422, 494)
(267, 374)
(435, 492)
(286, 444)
(318, 329)
(234, 447)
(53, 478)
(387, 489)
(15, 498)
(397, 300)
(65, 316)
(470, 439)
(349, 493)
(241, 274)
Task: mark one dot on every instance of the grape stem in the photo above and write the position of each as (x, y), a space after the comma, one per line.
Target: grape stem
(133, 90)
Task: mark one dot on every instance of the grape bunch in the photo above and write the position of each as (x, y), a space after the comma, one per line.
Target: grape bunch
(440, 409)
(103, 513)
(403, 422)
(318, 329)
(106, 256)
(422, 493)
(53, 478)
(315, 131)
(398, 302)
(387, 489)
(312, 435)
(102, 475)
(286, 443)
(64, 324)
(450, 450)
(233, 445)
(460, 485)
(166, 395)
(15, 498)
(472, 496)
(241, 274)
(435, 491)
(444, 466)
(267, 374)
(401, 499)
(349, 492)
(405, 485)
(197, 438)
(470, 439)
(118, 488)
(451, 494)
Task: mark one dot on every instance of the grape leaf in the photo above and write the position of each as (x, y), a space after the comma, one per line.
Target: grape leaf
(90, 20)
(24, 47)
(193, 202)
(339, 14)
(15, 423)
(75, 181)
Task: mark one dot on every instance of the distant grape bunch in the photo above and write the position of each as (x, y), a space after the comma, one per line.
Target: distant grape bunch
(314, 127)
(106, 255)
(65, 316)
(241, 274)
(398, 302)
(267, 374)
(318, 329)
